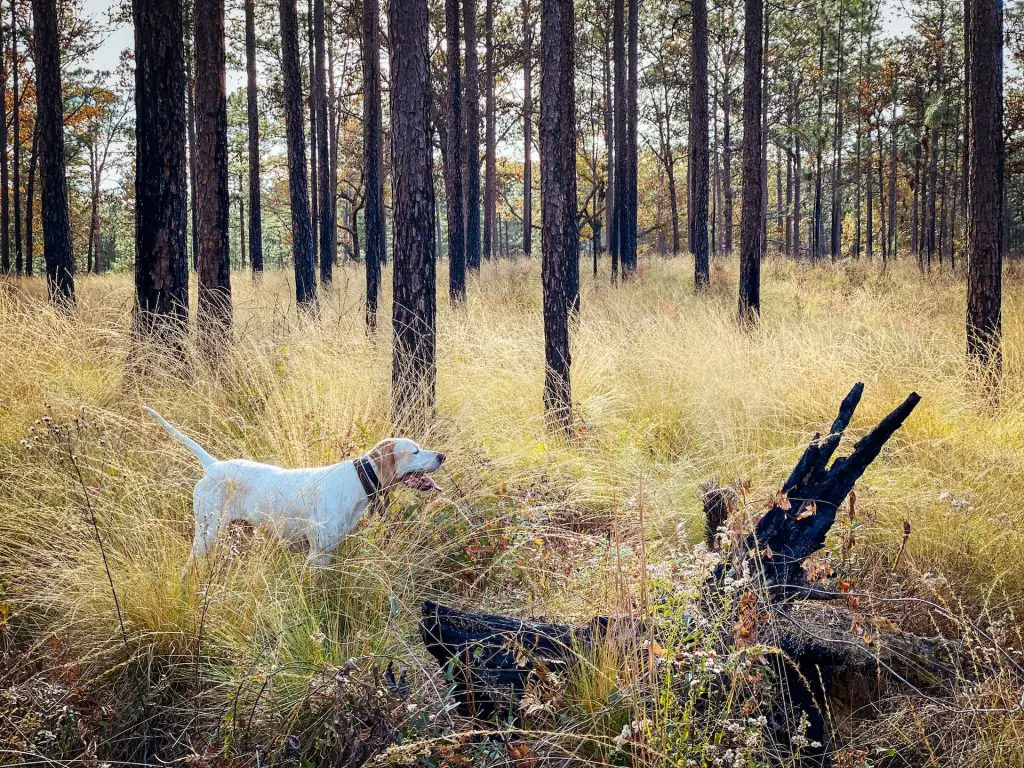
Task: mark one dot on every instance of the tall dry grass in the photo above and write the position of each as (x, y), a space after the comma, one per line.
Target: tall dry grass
(668, 391)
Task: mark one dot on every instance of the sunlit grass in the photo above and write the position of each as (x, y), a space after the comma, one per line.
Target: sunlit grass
(668, 392)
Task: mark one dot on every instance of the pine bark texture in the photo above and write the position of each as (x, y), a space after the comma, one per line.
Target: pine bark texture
(472, 149)
(559, 235)
(453, 183)
(699, 144)
(750, 228)
(986, 155)
(253, 117)
(414, 307)
(373, 158)
(161, 218)
(50, 102)
(214, 307)
(303, 249)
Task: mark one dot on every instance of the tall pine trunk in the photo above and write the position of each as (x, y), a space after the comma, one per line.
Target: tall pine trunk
(750, 230)
(214, 307)
(472, 148)
(253, 118)
(453, 184)
(983, 24)
(628, 227)
(373, 158)
(699, 145)
(50, 103)
(325, 226)
(527, 129)
(161, 254)
(5, 204)
(559, 237)
(490, 135)
(414, 308)
(303, 248)
(619, 123)
(16, 129)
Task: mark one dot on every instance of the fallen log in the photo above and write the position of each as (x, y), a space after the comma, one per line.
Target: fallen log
(491, 658)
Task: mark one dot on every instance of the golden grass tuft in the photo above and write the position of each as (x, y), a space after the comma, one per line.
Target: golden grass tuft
(668, 391)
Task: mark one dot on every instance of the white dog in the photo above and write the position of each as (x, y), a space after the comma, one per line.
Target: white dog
(317, 506)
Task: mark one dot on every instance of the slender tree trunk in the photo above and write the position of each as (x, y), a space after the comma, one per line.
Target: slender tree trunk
(560, 239)
(472, 148)
(750, 231)
(190, 86)
(94, 208)
(915, 226)
(414, 307)
(5, 212)
(699, 144)
(627, 256)
(983, 25)
(314, 170)
(490, 135)
(790, 133)
(765, 101)
(453, 161)
(893, 168)
(214, 309)
(161, 220)
(16, 128)
(881, 199)
(253, 115)
(716, 174)
(619, 123)
(320, 146)
(56, 223)
(609, 143)
(797, 172)
(837, 149)
(334, 136)
(33, 161)
(727, 164)
(870, 194)
(817, 247)
(303, 248)
(527, 129)
(373, 158)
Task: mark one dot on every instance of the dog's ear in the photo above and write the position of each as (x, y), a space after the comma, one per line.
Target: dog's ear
(383, 455)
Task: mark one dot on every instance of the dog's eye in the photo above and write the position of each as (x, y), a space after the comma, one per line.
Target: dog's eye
(416, 451)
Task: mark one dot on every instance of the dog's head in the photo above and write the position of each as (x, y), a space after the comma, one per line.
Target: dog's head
(399, 460)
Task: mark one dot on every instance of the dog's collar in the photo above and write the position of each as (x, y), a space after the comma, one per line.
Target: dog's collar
(368, 477)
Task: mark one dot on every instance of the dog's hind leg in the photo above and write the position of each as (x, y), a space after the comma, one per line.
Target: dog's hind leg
(208, 520)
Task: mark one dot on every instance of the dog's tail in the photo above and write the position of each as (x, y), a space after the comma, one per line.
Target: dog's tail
(205, 458)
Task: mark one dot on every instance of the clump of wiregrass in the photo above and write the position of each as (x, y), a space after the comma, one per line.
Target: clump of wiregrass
(667, 391)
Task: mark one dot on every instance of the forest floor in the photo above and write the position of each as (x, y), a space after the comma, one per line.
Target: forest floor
(257, 656)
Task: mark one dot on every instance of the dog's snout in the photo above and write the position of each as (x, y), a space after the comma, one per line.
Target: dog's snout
(440, 458)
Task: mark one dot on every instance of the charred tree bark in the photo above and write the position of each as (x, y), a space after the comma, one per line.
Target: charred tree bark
(490, 136)
(750, 231)
(253, 118)
(527, 129)
(559, 237)
(629, 191)
(161, 254)
(16, 131)
(56, 222)
(985, 199)
(472, 148)
(699, 144)
(321, 148)
(413, 367)
(5, 203)
(453, 184)
(214, 308)
(373, 159)
(303, 248)
(619, 122)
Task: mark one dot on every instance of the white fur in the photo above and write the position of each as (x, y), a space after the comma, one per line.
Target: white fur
(318, 506)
